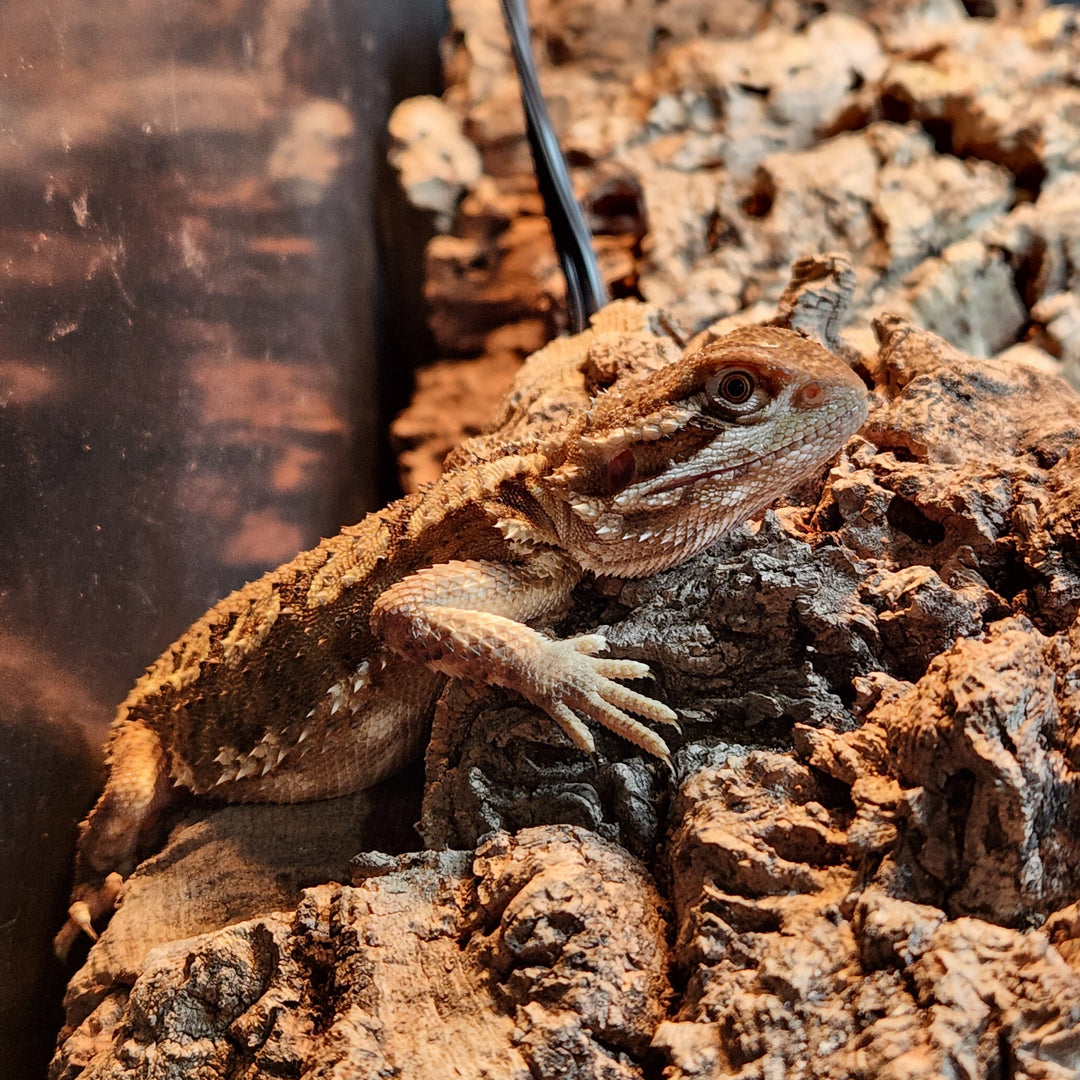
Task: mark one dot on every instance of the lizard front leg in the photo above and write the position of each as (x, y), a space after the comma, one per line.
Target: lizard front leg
(467, 620)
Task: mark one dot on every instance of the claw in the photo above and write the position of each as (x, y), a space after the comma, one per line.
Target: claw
(79, 914)
(575, 730)
(79, 922)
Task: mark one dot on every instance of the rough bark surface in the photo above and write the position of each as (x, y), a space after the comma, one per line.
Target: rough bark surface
(538, 956)
(714, 143)
(871, 856)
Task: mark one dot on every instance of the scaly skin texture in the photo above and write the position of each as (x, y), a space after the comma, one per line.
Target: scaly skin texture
(614, 454)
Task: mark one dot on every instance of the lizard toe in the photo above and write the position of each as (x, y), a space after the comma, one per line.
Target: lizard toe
(622, 669)
(641, 705)
(589, 644)
(615, 720)
(92, 903)
(80, 916)
(575, 730)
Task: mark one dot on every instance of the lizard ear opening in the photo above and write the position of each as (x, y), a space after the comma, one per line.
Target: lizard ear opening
(621, 471)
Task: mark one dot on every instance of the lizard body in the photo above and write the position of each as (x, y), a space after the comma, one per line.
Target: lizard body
(317, 679)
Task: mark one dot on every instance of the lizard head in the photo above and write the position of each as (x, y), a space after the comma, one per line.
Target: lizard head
(667, 461)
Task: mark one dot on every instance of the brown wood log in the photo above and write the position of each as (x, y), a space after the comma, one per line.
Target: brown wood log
(870, 858)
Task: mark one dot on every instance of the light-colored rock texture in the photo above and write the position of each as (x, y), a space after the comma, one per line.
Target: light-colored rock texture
(870, 862)
(712, 144)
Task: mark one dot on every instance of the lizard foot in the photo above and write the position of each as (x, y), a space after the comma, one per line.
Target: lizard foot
(579, 684)
(91, 904)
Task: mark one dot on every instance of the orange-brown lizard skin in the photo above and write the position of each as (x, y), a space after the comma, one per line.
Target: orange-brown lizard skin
(615, 453)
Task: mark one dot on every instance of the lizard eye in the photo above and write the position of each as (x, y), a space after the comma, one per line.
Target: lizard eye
(734, 387)
(736, 393)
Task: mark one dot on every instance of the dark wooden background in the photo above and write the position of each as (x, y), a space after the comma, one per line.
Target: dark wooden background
(209, 296)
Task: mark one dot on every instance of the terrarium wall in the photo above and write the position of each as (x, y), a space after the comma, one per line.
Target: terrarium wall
(202, 253)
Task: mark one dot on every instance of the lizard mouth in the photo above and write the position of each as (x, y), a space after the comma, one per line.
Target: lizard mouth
(838, 427)
(694, 478)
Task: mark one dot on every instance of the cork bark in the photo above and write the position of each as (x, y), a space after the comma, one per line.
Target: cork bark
(868, 864)
(713, 144)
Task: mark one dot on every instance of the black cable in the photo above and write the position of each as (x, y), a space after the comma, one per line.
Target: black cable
(585, 289)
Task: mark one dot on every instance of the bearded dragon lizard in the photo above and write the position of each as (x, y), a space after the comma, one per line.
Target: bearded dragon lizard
(317, 679)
